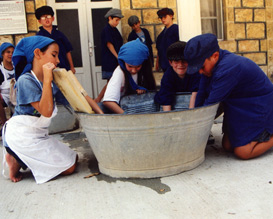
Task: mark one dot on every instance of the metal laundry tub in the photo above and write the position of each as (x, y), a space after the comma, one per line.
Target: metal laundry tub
(148, 145)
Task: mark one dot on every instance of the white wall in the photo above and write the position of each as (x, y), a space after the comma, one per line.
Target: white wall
(189, 19)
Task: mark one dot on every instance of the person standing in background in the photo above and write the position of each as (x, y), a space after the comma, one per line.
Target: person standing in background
(168, 36)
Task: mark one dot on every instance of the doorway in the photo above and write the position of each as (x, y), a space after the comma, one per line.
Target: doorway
(82, 22)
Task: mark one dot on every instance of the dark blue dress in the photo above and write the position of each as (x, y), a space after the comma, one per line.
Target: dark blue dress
(164, 40)
(246, 94)
(172, 83)
(64, 44)
(148, 41)
(112, 35)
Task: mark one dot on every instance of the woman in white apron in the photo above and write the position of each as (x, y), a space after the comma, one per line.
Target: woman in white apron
(25, 135)
(6, 74)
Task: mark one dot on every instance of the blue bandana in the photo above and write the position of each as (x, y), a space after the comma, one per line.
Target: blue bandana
(3, 47)
(133, 53)
(25, 48)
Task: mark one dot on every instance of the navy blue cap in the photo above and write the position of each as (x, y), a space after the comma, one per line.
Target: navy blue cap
(44, 10)
(198, 49)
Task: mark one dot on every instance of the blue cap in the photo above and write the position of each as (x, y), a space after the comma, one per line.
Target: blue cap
(198, 49)
(3, 47)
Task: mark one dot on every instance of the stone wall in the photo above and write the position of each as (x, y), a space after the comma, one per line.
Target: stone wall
(32, 23)
(248, 28)
(248, 25)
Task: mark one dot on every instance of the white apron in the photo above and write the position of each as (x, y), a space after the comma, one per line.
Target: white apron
(46, 157)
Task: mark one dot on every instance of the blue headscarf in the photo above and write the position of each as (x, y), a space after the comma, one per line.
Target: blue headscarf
(133, 53)
(3, 47)
(25, 48)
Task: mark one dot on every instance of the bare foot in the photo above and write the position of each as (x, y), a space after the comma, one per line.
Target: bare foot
(14, 174)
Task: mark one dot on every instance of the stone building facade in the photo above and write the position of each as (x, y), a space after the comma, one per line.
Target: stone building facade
(248, 25)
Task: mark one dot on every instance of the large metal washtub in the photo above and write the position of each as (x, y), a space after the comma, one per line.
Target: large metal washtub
(148, 145)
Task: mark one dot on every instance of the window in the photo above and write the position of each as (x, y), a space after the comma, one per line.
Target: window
(212, 17)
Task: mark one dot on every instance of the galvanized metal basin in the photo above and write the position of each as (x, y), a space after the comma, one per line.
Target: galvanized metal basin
(151, 144)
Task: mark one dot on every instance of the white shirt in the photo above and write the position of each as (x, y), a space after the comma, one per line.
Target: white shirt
(5, 86)
(115, 88)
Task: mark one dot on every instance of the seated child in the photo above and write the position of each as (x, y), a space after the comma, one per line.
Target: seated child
(25, 135)
(133, 75)
(176, 79)
(6, 74)
(141, 33)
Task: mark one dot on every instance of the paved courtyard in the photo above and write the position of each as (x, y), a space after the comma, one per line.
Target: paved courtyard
(221, 187)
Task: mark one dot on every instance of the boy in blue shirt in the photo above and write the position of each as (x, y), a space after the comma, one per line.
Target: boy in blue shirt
(168, 36)
(141, 33)
(176, 79)
(244, 90)
(45, 16)
(111, 41)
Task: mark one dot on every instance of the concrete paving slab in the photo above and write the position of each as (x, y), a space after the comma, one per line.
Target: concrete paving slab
(221, 187)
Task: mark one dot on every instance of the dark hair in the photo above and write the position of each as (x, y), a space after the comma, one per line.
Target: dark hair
(112, 17)
(145, 78)
(164, 11)
(20, 67)
(46, 47)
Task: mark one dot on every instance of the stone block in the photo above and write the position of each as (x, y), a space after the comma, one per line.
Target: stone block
(162, 3)
(150, 28)
(240, 32)
(253, 3)
(248, 46)
(150, 16)
(171, 3)
(6, 38)
(232, 3)
(268, 3)
(125, 4)
(269, 14)
(258, 58)
(269, 30)
(255, 30)
(230, 14)
(230, 30)
(263, 45)
(259, 15)
(125, 32)
(158, 29)
(29, 6)
(127, 13)
(31, 22)
(270, 45)
(21, 36)
(144, 4)
(229, 45)
(40, 3)
(243, 15)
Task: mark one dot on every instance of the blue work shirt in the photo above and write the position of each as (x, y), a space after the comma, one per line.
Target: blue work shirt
(246, 94)
(167, 37)
(112, 35)
(172, 83)
(64, 44)
(29, 91)
(148, 41)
